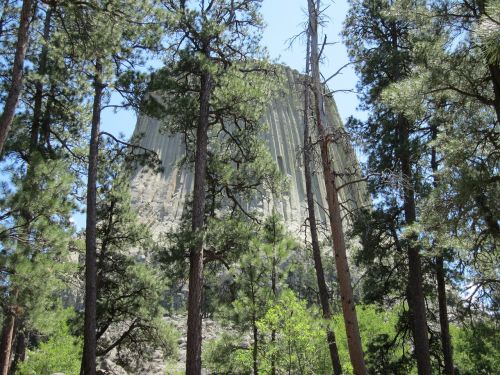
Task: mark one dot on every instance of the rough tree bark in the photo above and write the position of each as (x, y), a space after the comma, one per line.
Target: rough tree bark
(42, 68)
(441, 281)
(6, 343)
(495, 80)
(8, 334)
(194, 327)
(89, 332)
(443, 318)
(255, 348)
(17, 72)
(416, 300)
(20, 350)
(275, 293)
(343, 274)
(318, 265)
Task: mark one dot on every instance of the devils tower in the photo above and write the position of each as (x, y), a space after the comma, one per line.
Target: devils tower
(160, 197)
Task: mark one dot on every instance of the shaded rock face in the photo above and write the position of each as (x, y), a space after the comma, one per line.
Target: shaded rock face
(160, 197)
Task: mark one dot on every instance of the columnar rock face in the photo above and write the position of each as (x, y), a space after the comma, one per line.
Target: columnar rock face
(160, 197)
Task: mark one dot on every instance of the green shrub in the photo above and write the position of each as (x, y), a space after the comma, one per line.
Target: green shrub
(61, 353)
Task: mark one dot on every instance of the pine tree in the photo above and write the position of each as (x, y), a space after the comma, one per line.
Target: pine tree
(207, 40)
(391, 136)
(35, 240)
(106, 39)
(459, 117)
(129, 316)
(31, 149)
(260, 274)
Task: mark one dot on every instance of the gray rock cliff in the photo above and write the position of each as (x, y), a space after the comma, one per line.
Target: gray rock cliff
(160, 198)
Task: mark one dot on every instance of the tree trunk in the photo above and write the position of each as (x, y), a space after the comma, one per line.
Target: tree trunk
(441, 282)
(273, 289)
(495, 80)
(255, 340)
(255, 348)
(6, 343)
(89, 333)
(42, 67)
(17, 72)
(344, 277)
(416, 300)
(318, 265)
(20, 351)
(443, 318)
(194, 327)
(45, 131)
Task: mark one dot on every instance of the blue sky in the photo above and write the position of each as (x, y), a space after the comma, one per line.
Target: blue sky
(284, 19)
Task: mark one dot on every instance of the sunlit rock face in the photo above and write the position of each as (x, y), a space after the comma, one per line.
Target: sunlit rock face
(160, 198)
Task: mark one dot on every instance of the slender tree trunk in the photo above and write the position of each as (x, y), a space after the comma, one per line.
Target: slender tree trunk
(495, 79)
(20, 351)
(255, 349)
(6, 343)
(416, 300)
(45, 131)
(17, 72)
(194, 327)
(89, 333)
(255, 330)
(343, 274)
(441, 282)
(273, 289)
(318, 264)
(443, 318)
(42, 67)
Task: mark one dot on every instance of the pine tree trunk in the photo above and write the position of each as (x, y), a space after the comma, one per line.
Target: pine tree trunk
(318, 264)
(194, 327)
(273, 290)
(255, 343)
(6, 343)
(416, 300)
(344, 277)
(418, 318)
(20, 351)
(45, 131)
(346, 293)
(89, 333)
(441, 281)
(42, 67)
(495, 79)
(17, 73)
(443, 318)
(255, 349)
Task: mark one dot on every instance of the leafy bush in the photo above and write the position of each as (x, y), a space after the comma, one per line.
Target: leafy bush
(476, 348)
(61, 353)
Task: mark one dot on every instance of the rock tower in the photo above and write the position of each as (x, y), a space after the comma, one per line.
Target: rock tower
(160, 197)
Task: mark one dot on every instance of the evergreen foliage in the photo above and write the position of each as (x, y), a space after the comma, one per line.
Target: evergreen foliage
(130, 287)
(430, 82)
